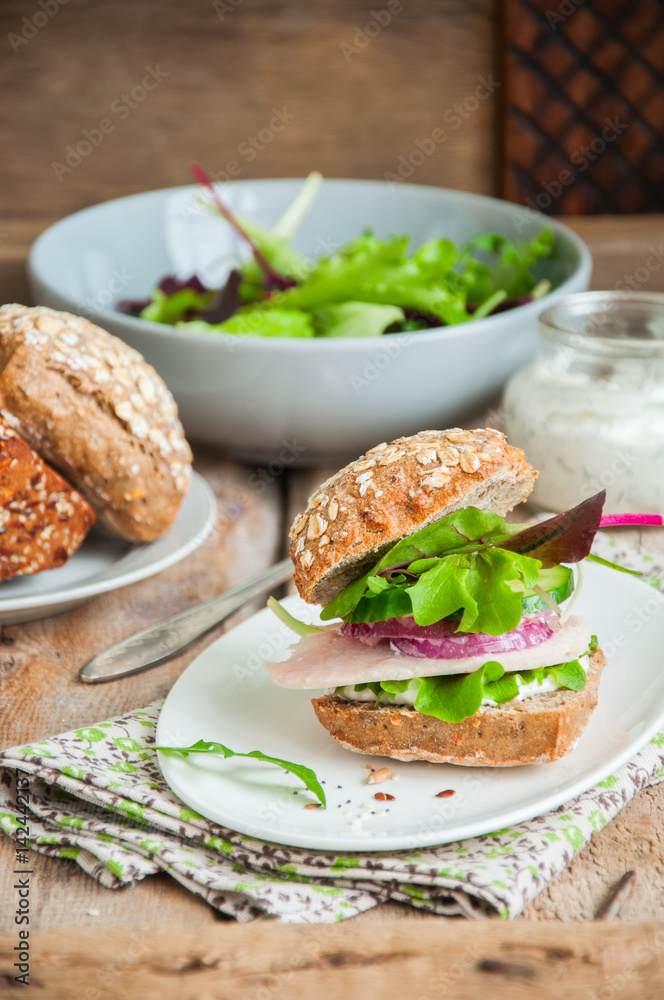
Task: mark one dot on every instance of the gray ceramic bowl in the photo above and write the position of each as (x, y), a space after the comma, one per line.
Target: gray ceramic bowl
(303, 400)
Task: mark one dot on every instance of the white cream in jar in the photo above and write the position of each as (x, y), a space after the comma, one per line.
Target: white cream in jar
(589, 410)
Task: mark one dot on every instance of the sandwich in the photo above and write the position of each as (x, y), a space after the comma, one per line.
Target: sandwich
(446, 632)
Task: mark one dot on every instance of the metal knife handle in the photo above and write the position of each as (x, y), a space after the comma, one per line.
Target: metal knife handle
(154, 644)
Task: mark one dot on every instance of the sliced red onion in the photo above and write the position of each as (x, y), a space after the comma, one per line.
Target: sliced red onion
(442, 642)
(615, 520)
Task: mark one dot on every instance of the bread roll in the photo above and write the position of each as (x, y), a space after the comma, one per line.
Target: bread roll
(536, 730)
(43, 520)
(394, 490)
(94, 409)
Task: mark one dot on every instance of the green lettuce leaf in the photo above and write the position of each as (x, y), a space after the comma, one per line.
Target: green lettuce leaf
(354, 319)
(378, 271)
(170, 308)
(305, 774)
(487, 585)
(466, 530)
(506, 264)
(455, 697)
(253, 323)
(300, 628)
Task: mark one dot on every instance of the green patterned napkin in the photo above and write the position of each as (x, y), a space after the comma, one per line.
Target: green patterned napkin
(96, 796)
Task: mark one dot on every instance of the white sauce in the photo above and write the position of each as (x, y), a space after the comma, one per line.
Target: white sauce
(585, 432)
(408, 696)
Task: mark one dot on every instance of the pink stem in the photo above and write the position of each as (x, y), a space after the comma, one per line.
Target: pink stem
(613, 520)
(203, 179)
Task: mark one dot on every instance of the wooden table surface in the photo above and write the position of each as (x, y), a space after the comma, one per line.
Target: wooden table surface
(40, 696)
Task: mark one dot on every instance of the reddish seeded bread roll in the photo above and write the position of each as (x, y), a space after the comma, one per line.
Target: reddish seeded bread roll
(42, 518)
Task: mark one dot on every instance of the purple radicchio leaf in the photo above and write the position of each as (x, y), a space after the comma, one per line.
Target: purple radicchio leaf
(565, 538)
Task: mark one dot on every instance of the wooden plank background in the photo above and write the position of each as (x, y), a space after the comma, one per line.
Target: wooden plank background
(423, 960)
(358, 94)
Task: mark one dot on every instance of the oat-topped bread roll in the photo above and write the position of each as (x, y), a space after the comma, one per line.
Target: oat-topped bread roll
(43, 520)
(394, 490)
(95, 409)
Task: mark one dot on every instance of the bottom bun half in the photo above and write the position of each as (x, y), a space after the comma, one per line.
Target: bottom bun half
(539, 729)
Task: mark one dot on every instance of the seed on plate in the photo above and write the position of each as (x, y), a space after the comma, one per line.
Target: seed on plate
(313, 805)
(317, 526)
(469, 461)
(377, 777)
(384, 797)
(445, 794)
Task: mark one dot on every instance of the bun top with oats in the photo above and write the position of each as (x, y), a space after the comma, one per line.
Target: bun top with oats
(98, 412)
(394, 490)
(448, 641)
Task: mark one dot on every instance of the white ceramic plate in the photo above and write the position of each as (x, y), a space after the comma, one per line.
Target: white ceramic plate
(106, 563)
(225, 695)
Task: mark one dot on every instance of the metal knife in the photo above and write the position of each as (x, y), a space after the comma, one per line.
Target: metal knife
(156, 643)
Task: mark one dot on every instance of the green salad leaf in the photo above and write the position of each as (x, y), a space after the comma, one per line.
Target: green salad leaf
(455, 697)
(252, 323)
(487, 585)
(300, 628)
(354, 319)
(368, 287)
(466, 530)
(171, 308)
(305, 774)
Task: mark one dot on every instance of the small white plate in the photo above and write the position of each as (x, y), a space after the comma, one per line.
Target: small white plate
(225, 695)
(106, 563)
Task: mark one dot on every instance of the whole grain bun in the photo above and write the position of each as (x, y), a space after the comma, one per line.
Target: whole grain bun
(43, 520)
(394, 490)
(541, 728)
(98, 412)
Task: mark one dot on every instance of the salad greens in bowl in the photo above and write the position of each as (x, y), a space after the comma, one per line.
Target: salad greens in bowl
(367, 287)
(300, 321)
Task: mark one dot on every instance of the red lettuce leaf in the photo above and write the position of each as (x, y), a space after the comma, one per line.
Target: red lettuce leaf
(565, 538)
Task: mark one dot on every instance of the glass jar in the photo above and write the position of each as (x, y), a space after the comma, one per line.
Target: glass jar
(589, 410)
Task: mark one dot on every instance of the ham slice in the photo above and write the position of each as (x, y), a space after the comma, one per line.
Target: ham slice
(328, 659)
